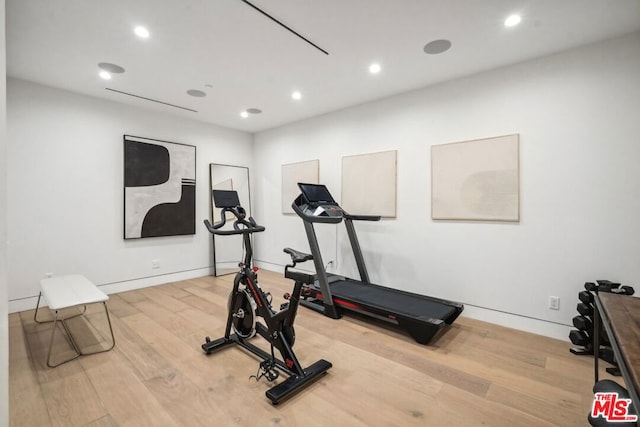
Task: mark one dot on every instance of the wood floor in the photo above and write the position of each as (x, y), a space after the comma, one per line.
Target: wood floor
(157, 375)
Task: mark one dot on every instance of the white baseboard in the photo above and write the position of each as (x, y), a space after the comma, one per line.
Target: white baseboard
(29, 303)
(522, 323)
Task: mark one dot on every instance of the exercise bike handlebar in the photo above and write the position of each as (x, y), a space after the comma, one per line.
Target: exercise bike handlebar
(249, 225)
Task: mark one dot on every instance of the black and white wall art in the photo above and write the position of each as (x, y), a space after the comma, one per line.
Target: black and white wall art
(159, 188)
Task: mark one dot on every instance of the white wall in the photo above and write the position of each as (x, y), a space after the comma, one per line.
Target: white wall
(4, 324)
(577, 114)
(65, 191)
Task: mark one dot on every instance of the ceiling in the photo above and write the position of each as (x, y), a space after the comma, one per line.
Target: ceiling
(242, 59)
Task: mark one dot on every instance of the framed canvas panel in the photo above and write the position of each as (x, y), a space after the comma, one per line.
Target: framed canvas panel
(476, 180)
(293, 173)
(159, 188)
(369, 184)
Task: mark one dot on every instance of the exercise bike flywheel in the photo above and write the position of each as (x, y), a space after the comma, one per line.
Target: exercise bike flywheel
(243, 307)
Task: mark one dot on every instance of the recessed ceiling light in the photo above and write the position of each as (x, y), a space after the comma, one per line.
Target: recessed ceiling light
(248, 111)
(437, 46)
(374, 68)
(105, 75)
(197, 93)
(512, 21)
(110, 68)
(296, 95)
(141, 32)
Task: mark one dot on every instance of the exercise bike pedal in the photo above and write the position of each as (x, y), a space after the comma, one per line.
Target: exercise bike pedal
(272, 375)
(284, 305)
(267, 369)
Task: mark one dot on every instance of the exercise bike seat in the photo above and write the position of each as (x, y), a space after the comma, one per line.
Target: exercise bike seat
(297, 256)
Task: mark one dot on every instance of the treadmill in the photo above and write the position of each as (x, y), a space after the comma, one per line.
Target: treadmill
(423, 317)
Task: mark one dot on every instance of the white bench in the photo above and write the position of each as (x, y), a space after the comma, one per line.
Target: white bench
(64, 292)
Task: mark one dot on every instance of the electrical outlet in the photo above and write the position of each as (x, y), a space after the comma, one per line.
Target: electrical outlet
(554, 303)
(155, 264)
(48, 275)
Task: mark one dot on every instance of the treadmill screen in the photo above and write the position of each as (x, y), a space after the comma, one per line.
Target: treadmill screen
(316, 193)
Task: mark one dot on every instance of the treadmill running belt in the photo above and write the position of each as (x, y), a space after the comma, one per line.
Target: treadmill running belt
(391, 300)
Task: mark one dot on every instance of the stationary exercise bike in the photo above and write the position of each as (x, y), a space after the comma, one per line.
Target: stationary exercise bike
(247, 302)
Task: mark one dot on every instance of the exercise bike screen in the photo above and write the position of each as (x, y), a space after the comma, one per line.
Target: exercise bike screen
(226, 198)
(316, 193)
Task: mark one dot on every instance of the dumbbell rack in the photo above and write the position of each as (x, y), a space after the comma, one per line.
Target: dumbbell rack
(583, 335)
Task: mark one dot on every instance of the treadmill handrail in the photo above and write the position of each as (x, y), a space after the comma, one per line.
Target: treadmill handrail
(361, 217)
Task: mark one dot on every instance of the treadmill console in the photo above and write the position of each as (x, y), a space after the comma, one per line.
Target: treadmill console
(323, 210)
(316, 204)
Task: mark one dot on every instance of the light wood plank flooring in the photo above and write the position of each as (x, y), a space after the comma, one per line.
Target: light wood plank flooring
(157, 375)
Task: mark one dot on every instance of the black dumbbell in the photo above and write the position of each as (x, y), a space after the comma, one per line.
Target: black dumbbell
(586, 297)
(624, 290)
(590, 286)
(583, 323)
(607, 285)
(585, 309)
(606, 354)
(579, 338)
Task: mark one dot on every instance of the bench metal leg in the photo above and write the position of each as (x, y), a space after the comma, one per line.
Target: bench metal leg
(69, 335)
(53, 333)
(113, 339)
